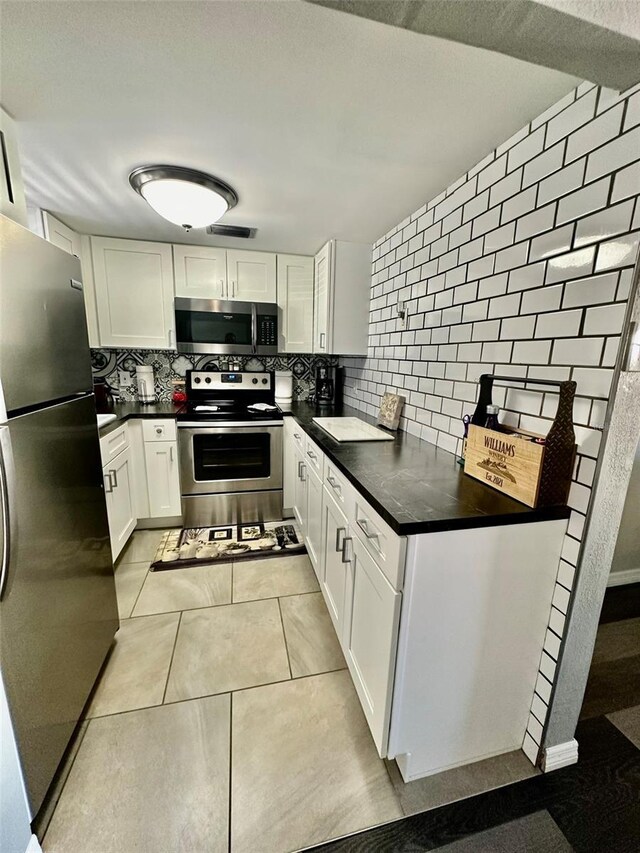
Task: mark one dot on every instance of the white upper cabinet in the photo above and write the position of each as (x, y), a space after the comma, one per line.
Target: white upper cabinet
(60, 235)
(134, 293)
(341, 298)
(295, 301)
(251, 276)
(200, 272)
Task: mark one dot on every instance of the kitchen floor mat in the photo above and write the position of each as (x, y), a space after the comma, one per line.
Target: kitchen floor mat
(192, 546)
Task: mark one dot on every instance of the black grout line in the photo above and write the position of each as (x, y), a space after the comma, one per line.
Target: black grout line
(173, 651)
(284, 637)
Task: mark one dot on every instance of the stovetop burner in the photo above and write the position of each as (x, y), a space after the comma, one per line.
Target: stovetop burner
(214, 396)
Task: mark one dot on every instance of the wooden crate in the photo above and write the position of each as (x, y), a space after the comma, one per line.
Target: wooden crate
(511, 465)
(535, 474)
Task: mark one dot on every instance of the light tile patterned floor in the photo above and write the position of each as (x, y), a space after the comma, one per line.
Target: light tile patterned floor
(225, 720)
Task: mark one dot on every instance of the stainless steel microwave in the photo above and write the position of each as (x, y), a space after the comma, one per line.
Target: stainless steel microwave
(226, 328)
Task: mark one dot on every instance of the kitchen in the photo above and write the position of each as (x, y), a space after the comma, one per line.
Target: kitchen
(397, 643)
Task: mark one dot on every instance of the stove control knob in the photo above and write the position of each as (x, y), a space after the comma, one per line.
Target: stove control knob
(196, 379)
(254, 380)
(208, 380)
(265, 381)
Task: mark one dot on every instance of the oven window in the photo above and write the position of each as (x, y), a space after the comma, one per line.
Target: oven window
(231, 456)
(213, 327)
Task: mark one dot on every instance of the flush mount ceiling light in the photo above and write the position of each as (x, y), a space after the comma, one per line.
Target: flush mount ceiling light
(185, 197)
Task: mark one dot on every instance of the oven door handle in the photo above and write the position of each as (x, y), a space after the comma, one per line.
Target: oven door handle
(254, 327)
(212, 425)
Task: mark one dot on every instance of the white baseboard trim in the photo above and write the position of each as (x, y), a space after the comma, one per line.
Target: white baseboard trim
(562, 755)
(621, 578)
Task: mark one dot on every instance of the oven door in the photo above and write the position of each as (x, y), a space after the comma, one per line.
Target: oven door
(239, 458)
(215, 326)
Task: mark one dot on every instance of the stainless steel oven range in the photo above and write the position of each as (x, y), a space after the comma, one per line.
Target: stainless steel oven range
(230, 448)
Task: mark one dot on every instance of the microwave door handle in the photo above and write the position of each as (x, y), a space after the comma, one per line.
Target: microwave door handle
(254, 327)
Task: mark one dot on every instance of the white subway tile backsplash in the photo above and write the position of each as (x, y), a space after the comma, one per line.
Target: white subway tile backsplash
(581, 352)
(604, 224)
(605, 319)
(614, 155)
(562, 182)
(583, 201)
(590, 291)
(551, 243)
(594, 134)
(471, 266)
(571, 265)
(572, 118)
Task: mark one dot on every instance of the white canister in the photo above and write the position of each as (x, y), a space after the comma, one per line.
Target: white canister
(284, 386)
(145, 383)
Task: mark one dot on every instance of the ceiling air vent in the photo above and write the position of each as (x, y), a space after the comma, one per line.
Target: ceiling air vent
(231, 231)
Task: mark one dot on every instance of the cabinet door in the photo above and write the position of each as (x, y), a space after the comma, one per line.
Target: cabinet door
(118, 484)
(300, 492)
(370, 638)
(322, 300)
(200, 272)
(60, 235)
(335, 529)
(314, 541)
(134, 293)
(251, 276)
(295, 300)
(161, 459)
(289, 466)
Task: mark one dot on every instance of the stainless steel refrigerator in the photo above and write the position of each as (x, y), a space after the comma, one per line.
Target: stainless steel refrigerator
(58, 611)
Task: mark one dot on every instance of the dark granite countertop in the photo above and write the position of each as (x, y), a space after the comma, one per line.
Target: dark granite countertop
(415, 486)
(126, 411)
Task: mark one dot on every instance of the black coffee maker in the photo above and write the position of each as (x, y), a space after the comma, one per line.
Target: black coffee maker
(328, 390)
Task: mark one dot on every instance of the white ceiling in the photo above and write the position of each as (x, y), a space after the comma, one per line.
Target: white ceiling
(327, 125)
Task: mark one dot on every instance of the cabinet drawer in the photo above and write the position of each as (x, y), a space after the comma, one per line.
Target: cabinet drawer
(162, 429)
(339, 488)
(314, 457)
(113, 443)
(296, 432)
(385, 546)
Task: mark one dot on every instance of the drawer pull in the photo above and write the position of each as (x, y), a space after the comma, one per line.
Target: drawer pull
(114, 483)
(345, 559)
(158, 430)
(311, 455)
(364, 526)
(297, 435)
(339, 530)
(333, 483)
(300, 464)
(302, 470)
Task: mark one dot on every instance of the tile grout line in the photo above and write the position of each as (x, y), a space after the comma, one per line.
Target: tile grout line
(131, 616)
(284, 637)
(173, 651)
(225, 604)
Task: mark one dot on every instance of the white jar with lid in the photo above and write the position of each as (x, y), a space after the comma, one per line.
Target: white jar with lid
(284, 386)
(145, 383)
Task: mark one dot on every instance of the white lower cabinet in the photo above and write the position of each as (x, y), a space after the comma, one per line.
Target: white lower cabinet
(161, 458)
(370, 638)
(335, 529)
(118, 486)
(313, 532)
(300, 491)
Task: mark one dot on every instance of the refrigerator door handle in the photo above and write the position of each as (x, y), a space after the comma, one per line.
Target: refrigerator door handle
(6, 492)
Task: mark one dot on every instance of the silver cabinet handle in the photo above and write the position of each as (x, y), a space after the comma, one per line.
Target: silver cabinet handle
(303, 468)
(222, 288)
(345, 559)
(300, 464)
(171, 453)
(112, 471)
(364, 526)
(339, 530)
(6, 491)
(333, 483)
(311, 455)
(322, 339)
(170, 338)
(158, 430)
(296, 435)
(107, 479)
(233, 289)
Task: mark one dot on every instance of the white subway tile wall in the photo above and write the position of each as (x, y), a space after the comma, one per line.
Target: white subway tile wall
(522, 267)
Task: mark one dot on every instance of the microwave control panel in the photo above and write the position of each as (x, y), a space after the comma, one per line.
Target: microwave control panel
(267, 330)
